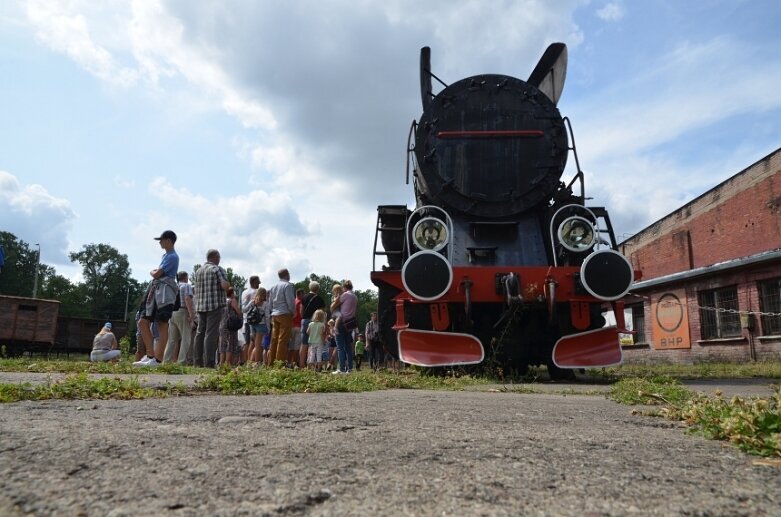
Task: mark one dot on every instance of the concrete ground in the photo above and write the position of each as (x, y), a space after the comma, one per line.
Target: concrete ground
(396, 452)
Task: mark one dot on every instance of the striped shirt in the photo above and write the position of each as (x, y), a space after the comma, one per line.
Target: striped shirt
(209, 294)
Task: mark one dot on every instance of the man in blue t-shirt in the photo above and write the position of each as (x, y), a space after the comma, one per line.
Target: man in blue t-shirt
(159, 303)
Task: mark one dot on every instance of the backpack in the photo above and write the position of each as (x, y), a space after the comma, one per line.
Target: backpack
(253, 315)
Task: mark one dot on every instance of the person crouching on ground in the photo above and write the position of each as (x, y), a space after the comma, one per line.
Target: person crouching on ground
(105, 346)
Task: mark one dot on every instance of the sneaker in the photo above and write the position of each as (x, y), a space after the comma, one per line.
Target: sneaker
(336, 372)
(142, 362)
(153, 362)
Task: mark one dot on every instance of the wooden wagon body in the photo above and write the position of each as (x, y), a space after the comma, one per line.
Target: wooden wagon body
(28, 320)
(34, 325)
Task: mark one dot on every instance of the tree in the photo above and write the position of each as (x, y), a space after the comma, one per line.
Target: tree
(107, 281)
(367, 303)
(18, 275)
(367, 300)
(237, 281)
(71, 296)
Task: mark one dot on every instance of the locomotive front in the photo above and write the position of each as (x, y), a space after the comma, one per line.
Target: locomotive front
(498, 256)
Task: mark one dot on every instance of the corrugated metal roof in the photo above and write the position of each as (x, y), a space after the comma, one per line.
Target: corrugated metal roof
(765, 256)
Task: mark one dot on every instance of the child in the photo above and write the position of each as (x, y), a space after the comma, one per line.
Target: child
(336, 293)
(229, 340)
(360, 348)
(331, 336)
(258, 330)
(316, 332)
(266, 344)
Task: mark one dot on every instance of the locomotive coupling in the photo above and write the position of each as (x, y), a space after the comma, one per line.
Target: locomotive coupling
(511, 288)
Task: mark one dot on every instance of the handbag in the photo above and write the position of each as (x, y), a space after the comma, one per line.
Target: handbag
(235, 322)
(350, 323)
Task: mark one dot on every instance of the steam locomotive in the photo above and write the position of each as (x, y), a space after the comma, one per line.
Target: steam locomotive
(500, 259)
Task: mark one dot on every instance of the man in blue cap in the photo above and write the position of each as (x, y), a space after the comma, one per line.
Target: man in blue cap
(159, 302)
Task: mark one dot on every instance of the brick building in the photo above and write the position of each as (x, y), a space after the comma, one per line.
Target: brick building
(711, 273)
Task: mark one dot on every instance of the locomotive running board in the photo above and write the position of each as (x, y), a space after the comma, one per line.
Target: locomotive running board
(429, 348)
(591, 349)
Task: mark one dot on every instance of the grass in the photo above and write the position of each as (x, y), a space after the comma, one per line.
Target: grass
(237, 381)
(248, 381)
(82, 386)
(82, 364)
(752, 424)
(654, 390)
(763, 369)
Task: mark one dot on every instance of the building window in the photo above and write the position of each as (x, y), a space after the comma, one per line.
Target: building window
(714, 323)
(770, 301)
(638, 323)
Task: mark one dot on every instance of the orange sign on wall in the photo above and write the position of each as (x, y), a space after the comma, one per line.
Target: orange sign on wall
(670, 321)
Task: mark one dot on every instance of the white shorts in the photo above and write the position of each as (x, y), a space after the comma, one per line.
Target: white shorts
(316, 353)
(104, 355)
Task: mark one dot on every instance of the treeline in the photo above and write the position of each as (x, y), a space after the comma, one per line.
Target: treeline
(107, 289)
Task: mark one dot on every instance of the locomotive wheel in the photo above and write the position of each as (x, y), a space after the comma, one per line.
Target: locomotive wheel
(559, 374)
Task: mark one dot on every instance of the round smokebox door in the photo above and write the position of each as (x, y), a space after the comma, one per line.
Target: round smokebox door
(607, 275)
(427, 275)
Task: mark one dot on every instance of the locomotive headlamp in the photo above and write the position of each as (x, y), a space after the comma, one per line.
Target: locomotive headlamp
(577, 234)
(430, 233)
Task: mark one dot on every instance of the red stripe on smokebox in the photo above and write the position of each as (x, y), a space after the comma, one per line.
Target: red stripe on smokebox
(532, 133)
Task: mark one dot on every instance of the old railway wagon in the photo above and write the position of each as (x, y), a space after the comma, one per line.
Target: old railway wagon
(34, 325)
(499, 258)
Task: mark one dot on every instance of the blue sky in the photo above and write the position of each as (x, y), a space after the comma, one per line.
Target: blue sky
(271, 130)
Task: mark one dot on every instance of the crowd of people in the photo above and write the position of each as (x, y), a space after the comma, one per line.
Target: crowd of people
(199, 324)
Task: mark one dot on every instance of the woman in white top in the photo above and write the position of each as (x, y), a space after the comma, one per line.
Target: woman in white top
(105, 346)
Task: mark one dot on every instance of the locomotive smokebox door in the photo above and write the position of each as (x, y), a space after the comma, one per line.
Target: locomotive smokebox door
(490, 146)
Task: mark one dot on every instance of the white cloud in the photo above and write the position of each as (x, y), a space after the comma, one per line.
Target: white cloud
(64, 29)
(33, 215)
(322, 116)
(257, 233)
(124, 183)
(676, 95)
(99, 37)
(611, 12)
(634, 143)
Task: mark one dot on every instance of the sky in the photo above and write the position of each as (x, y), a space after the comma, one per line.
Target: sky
(271, 130)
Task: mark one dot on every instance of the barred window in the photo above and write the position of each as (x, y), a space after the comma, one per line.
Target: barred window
(714, 323)
(770, 301)
(638, 323)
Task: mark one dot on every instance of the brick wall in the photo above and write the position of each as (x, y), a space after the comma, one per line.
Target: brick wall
(718, 350)
(738, 218)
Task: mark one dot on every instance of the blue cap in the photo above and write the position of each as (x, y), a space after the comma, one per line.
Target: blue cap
(107, 325)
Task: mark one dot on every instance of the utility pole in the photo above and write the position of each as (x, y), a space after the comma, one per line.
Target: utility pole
(37, 267)
(127, 298)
